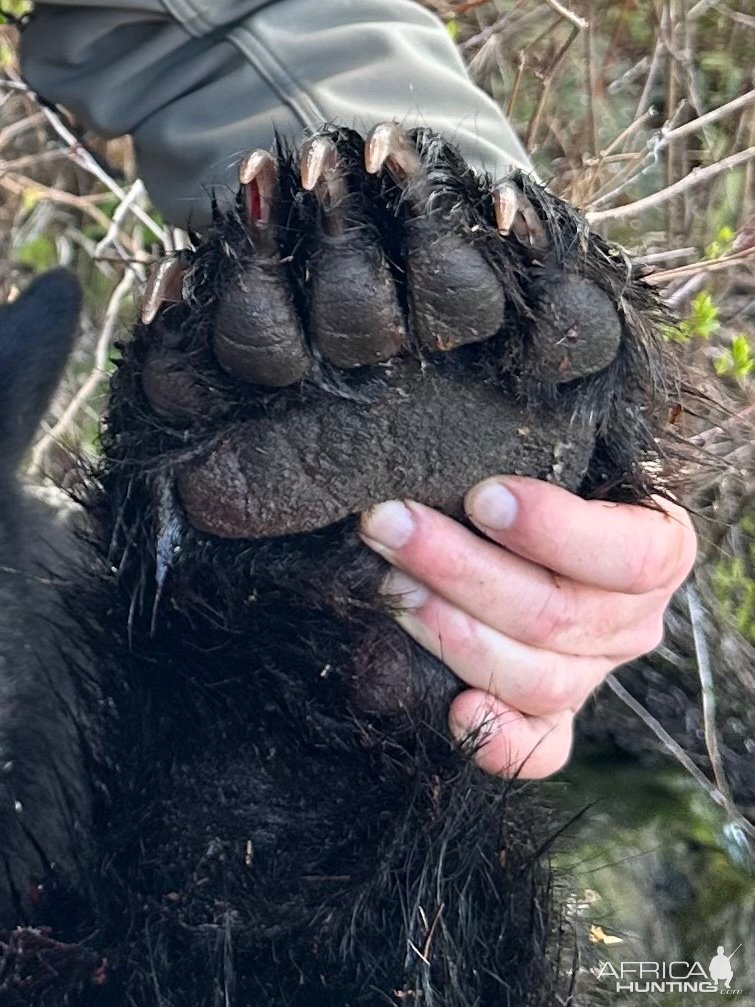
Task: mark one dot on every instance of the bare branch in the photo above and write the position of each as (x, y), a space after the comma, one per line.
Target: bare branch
(551, 74)
(695, 177)
(14, 129)
(713, 116)
(701, 8)
(708, 696)
(655, 66)
(97, 373)
(85, 160)
(579, 22)
(664, 276)
(136, 191)
(21, 184)
(663, 256)
(675, 749)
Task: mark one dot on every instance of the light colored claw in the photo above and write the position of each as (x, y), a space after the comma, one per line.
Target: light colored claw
(164, 286)
(319, 161)
(322, 173)
(387, 145)
(514, 213)
(259, 176)
(506, 205)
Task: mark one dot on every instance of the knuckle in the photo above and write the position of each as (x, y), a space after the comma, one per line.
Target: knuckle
(555, 618)
(459, 634)
(647, 566)
(553, 691)
(664, 558)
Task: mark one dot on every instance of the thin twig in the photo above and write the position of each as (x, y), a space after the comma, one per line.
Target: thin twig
(708, 697)
(669, 253)
(22, 185)
(673, 170)
(738, 16)
(517, 83)
(695, 177)
(555, 65)
(590, 87)
(85, 160)
(701, 8)
(94, 377)
(664, 276)
(579, 22)
(82, 157)
(624, 135)
(14, 129)
(634, 170)
(497, 27)
(675, 749)
(744, 416)
(655, 65)
(705, 120)
(136, 191)
(685, 292)
(32, 160)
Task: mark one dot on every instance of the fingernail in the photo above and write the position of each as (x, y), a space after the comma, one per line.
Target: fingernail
(407, 592)
(389, 524)
(492, 506)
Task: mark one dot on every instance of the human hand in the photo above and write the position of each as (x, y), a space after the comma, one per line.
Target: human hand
(532, 619)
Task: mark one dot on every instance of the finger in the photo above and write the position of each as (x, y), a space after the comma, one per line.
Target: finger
(510, 594)
(529, 679)
(617, 547)
(507, 742)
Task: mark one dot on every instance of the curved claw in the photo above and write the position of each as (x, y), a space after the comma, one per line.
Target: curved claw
(387, 145)
(322, 173)
(515, 213)
(320, 162)
(258, 176)
(164, 286)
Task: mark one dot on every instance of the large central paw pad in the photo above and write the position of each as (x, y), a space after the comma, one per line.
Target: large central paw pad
(375, 320)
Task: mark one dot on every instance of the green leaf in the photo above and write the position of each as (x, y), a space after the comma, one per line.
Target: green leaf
(16, 8)
(703, 319)
(39, 254)
(721, 244)
(737, 361)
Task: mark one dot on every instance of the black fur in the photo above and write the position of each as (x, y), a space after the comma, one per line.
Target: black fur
(225, 775)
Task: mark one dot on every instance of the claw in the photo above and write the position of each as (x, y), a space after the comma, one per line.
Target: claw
(515, 213)
(387, 145)
(506, 204)
(164, 286)
(320, 164)
(322, 173)
(258, 176)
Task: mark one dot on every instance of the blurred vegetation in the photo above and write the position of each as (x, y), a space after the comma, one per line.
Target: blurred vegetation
(734, 581)
(606, 97)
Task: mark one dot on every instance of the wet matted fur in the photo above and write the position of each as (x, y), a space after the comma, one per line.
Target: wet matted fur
(225, 774)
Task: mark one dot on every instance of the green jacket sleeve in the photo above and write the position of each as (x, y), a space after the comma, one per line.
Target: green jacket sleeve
(200, 82)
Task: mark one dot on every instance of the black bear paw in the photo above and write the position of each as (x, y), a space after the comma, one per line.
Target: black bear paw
(376, 320)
